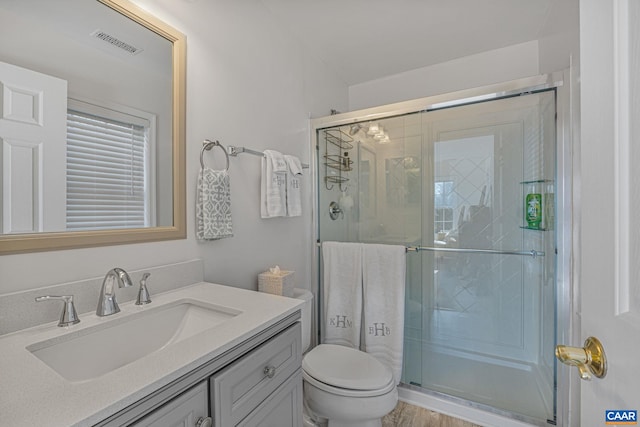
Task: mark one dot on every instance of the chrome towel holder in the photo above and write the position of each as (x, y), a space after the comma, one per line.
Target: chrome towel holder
(234, 151)
(207, 145)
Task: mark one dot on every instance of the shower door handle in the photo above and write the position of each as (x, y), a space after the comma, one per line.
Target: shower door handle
(590, 359)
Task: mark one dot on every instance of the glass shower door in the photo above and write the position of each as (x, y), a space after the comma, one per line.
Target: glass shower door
(488, 276)
(480, 305)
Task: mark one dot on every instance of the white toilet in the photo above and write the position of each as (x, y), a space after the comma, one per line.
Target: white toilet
(342, 385)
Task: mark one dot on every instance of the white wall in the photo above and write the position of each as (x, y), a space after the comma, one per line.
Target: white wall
(560, 47)
(252, 85)
(557, 50)
(248, 84)
(495, 66)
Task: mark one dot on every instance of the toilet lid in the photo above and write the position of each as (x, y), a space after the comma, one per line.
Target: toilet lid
(346, 367)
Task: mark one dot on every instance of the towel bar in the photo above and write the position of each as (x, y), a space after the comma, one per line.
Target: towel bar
(207, 145)
(532, 253)
(234, 151)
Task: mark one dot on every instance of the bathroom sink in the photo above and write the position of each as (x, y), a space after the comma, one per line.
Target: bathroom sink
(97, 350)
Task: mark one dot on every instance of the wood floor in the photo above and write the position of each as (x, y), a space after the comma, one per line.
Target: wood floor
(406, 415)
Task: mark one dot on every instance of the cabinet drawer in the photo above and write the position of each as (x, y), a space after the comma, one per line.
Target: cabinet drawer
(281, 409)
(185, 410)
(241, 387)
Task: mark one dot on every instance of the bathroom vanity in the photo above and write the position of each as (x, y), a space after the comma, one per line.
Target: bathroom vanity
(232, 355)
(262, 386)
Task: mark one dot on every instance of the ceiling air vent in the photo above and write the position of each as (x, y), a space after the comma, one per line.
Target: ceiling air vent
(114, 41)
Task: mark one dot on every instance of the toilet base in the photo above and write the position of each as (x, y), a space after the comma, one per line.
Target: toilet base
(311, 419)
(343, 411)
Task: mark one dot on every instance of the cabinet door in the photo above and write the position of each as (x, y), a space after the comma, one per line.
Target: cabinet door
(183, 411)
(282, 409)
(241, 387)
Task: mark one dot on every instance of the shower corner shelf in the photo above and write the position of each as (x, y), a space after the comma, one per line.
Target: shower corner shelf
(338, 162)
(336, 179)
(339, 139)
(537, 181)
(538, 184)
(336, 156)
(526, 227)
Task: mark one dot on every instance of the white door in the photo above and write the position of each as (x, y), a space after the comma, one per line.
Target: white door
(33, 116)
(608, 279)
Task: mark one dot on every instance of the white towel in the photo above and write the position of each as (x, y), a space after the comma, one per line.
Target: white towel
(383, 281)
(277, 161)
(294, 172)
(213, 205)
(273, 194)
(342, 293)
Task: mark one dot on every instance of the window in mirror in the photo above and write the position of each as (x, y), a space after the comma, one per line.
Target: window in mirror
(109, 168)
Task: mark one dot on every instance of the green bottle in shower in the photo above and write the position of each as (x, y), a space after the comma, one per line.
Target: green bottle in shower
(533, 209)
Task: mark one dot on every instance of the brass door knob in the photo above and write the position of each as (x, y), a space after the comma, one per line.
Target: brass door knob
(590, 360)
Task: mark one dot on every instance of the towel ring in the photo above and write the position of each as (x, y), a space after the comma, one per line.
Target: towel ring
(207, 144)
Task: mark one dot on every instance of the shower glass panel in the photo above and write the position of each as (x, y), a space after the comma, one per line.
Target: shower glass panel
(479, 319)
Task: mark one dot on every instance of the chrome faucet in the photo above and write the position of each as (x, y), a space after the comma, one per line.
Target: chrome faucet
(107, 304)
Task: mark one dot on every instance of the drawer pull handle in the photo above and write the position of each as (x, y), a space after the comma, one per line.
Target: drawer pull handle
(204, 422)
(269, 371)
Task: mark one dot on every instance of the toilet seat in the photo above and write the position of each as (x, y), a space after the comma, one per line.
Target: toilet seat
(345, 392)
(346, 371)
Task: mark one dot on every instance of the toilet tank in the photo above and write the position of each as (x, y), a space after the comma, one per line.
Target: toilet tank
(305, 319)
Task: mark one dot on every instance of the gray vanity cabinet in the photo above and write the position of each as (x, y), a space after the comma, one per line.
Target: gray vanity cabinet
(282, 409)
(265, 381)
(186, 410)
(257, 383)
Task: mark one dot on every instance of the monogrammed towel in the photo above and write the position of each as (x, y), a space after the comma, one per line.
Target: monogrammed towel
(273, 189)
(294, 174)
(342, 293)
(213, 205)
(383, 282)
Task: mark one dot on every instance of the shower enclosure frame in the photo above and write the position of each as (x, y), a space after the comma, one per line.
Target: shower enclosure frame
(567, 321)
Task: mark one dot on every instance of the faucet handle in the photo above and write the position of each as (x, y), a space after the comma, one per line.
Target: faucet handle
(69, 316)
(143, 292)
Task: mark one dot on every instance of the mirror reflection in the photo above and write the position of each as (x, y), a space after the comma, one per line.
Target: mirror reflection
(85, 120)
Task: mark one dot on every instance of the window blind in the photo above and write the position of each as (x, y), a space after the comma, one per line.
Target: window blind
(106, 160)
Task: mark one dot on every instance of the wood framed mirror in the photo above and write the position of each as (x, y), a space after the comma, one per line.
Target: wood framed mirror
(112, 66)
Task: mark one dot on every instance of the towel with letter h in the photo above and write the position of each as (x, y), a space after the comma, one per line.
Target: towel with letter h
(280, 186)
(364, 287)
(294, 172)
(383, 278)
(342, 293)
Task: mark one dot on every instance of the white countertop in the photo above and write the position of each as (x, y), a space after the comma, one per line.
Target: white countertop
(31, 393)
